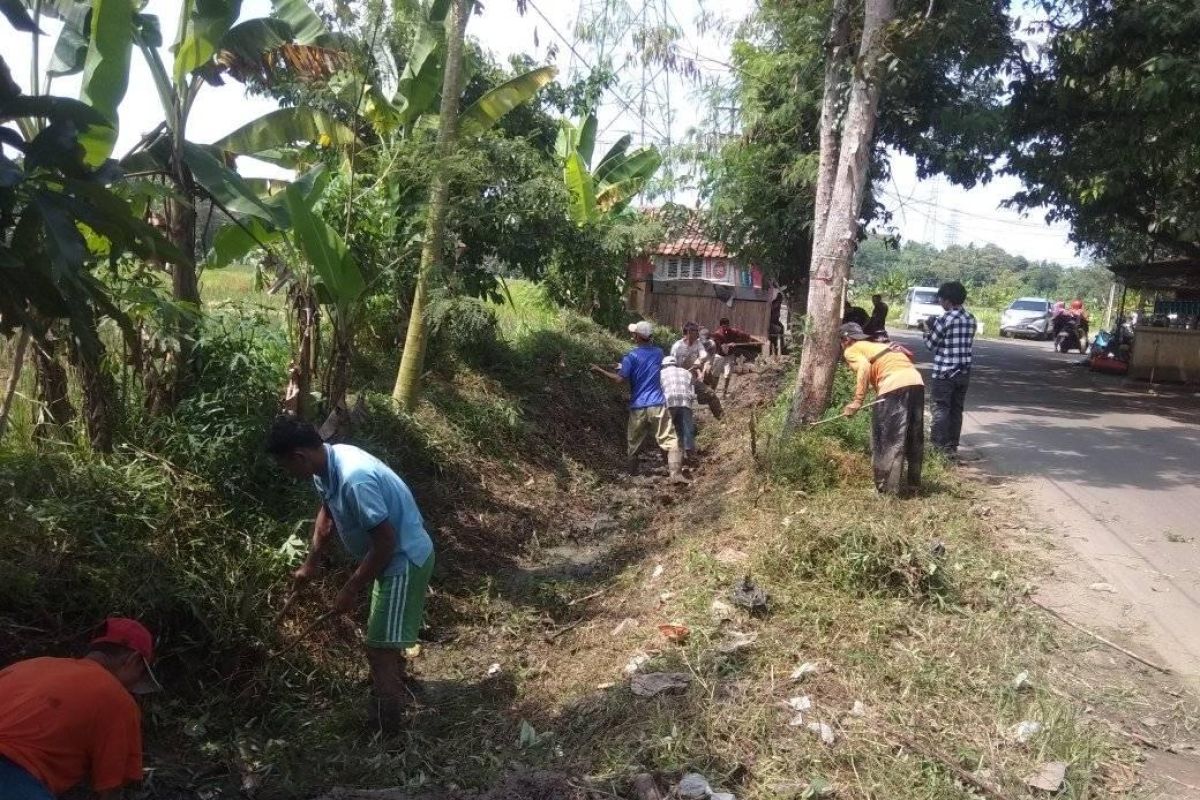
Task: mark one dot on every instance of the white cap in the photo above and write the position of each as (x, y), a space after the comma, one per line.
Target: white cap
(643, 328)
(669, 361)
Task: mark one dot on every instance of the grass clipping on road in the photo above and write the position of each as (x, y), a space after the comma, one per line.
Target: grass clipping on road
(896, 629)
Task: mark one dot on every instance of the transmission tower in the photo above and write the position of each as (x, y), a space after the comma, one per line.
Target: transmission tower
(953, 228)
(931, 219)
(640, 43)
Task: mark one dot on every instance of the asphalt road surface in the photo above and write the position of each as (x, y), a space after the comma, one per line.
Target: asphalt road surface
(1111, 468)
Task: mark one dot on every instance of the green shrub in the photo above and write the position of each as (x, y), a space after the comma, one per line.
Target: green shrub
(462, 328)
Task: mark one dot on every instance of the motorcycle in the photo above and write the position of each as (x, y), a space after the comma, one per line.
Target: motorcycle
(1069, 334)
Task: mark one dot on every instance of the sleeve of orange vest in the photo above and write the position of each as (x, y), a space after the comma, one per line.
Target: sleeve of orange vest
(862, 373)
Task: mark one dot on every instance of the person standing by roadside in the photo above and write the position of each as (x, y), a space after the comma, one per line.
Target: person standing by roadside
(678, 388)
(69, 721)
(898, 416)
(877, 324)
(951, 339)
(648, 415)
(372, 511)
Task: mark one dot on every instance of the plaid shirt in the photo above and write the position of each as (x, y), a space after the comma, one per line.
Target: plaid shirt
(951, 338)
(677, 386)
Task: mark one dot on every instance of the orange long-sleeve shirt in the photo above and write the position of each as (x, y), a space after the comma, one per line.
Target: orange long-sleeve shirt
(890, 371)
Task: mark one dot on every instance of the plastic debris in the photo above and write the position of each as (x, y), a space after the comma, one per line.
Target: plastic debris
(721, 611)
(622, 625)
(658, 571)
(801, 703)
(635, 663)
(1049, 777)
(749, 596)
(859, 710)
(1103, 587)
(493, 670)
(809, 668)
(693, 786)
(736, 641)
(797, 720)
(823, 730)
(1022, 683)
(674, 632)
(650, 684)
(1025, 730)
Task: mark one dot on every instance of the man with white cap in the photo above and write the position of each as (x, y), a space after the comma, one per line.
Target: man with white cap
(70, 721)
(679, 389)
(648, 415)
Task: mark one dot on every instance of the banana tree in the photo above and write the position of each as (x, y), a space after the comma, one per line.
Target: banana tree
(604, 193)
(58, 219)
(321, 271)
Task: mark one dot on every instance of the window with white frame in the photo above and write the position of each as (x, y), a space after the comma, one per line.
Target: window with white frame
(678, 268)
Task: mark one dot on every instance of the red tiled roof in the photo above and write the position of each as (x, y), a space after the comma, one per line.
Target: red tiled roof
(691, 243)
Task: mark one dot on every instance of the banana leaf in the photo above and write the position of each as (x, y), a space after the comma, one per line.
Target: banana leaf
(487, 110)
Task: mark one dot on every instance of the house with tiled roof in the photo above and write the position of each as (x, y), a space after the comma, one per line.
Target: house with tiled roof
(692, 278)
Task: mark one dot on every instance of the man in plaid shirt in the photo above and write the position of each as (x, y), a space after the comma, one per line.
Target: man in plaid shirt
(678, 388)
(951, 337)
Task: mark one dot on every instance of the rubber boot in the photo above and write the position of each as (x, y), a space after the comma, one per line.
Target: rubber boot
(675, 465)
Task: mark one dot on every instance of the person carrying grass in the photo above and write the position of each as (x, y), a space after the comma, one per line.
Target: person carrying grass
(371, 510)
(898, 416)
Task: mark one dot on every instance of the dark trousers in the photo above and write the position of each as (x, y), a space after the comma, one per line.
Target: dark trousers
(898, 439)
(685, 427)
(949, 395)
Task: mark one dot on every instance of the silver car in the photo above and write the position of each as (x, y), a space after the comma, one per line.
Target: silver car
(1028, 317)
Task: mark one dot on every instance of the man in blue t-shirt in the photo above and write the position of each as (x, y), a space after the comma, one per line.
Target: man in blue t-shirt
(371, 510)
(647, 405)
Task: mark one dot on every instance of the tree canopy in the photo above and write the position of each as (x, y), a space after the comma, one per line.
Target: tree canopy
(1103, 125)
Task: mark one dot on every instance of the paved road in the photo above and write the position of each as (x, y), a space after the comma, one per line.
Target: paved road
(1112, 466)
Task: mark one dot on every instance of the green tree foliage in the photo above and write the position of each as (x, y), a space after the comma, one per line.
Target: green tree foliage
(993, 276)
(941, 103)
(1104, 125)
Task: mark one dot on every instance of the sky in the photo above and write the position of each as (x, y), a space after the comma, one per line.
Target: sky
(649, 109)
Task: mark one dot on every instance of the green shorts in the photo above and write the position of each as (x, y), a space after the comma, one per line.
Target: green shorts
(398, 607)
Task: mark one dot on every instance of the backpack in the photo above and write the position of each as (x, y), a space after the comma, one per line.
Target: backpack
(893, 347)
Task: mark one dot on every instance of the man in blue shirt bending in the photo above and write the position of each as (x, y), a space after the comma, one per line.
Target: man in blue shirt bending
(648, 413)
(371, 510)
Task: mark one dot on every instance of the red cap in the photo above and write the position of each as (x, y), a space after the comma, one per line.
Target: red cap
(128, 633)
(132, 634)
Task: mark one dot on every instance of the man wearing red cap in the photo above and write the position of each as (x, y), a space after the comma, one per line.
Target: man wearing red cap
(71, 721)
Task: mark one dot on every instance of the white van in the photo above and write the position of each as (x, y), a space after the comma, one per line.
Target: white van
(921, 303)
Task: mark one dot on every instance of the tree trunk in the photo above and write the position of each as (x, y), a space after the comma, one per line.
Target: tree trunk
(99, 398)
(337, 382)
(14, 378)
(185, 285)
(299, 389)
(836, 74)
(412, 361)
(54, 409)
(833, 250)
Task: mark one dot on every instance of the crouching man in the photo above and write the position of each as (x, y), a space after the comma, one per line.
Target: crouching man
(371, 510)
(65, 722)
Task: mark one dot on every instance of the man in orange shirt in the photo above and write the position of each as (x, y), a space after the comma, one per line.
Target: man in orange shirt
(67, 721)
(898, 418)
